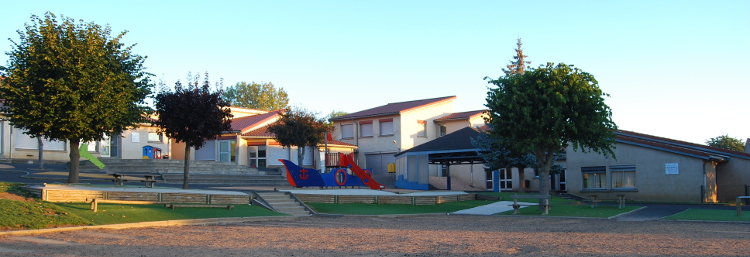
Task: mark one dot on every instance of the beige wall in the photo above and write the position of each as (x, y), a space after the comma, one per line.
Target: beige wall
(731, 178)
(652, 182)
(134, 150)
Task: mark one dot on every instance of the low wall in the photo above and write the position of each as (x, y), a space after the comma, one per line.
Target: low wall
(57, 195)
(385, 199)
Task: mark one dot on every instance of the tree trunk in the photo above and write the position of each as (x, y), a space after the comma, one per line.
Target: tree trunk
(544, 163)
(521, 178)
(186, 171)
(75, 156)
(300, 155)
(41, 151)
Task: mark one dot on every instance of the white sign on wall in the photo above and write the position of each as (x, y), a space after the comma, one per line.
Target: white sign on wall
(135, 137)
(672, 168)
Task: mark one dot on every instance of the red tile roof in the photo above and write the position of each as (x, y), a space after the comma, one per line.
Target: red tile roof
(676, 146)
(264, 133)
(461, 115)
(245, 123)
(395, 108)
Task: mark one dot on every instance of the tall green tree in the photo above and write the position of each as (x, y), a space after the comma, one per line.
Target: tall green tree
(192, 114)
(263, 96)
(546, 109)
(300, 128)
(334, 114)
(726, 142)
(72, 81)
(518, 64)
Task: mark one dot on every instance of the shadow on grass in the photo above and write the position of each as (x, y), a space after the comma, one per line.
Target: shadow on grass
(710, 215)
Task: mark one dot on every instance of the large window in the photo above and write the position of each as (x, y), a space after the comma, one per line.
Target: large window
(347, 131)
(623, 176)
(365, 129)
(386, 127)
(154, 137)
(594, 177)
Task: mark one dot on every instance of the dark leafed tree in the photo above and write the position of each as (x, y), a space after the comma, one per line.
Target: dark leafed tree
(546, 109)
(299, 127)
(192, 114)
(263, 96)
(72, 81)
(496, 156)
(518, 65)
(726, 142)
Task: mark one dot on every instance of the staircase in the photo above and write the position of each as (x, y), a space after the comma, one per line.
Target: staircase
(201, 172)
(284, 203)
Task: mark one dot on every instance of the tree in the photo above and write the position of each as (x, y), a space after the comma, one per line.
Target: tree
(334, 114)
(726, 142)
(546, 109)
(299, 127)
(192, 114)
(519, 65)
(263, 96)
(73, 81)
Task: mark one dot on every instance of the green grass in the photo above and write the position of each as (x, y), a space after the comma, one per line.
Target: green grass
(712, 215)
(129, 213)
(565, 208)
(33, 214)
(384, 209)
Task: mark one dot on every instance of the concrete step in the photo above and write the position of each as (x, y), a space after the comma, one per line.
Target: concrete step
(284, 203)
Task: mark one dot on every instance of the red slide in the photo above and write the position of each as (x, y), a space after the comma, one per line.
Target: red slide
(366, 176)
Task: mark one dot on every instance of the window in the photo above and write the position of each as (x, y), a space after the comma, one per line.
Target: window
(623, 176)
(442, 130)
(386, 127)
(347, 131)
(594, 177)
(423, 131)
(154, 137)
(365, 129)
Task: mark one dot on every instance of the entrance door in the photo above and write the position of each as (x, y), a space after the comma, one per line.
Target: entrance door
(490, 178)
(225, 152)
(506, 179)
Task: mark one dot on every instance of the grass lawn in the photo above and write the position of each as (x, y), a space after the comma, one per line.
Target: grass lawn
(31, 213)
(129, 213)
(383, 209)
(565, 208)
(712, 215)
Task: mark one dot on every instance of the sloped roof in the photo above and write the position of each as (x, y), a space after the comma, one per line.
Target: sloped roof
(461, 115)
(394, 108)
(245, 123)
(264, 133)
(458, 140)
(676, 146)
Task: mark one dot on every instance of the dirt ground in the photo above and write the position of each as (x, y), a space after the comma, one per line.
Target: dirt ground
(433, 235)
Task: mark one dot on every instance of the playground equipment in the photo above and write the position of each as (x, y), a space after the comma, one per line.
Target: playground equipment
(303, 177)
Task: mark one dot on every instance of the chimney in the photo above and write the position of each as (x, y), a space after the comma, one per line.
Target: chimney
(747, 146)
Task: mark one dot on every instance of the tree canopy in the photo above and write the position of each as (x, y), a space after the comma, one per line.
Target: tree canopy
(726, 142)
(299, 127)
(192, 114)
(72, 81)
(545, 109)
(263, 96)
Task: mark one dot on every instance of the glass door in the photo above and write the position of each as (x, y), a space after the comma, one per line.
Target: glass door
(506, 180)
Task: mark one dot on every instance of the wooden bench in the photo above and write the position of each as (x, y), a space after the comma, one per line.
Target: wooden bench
(149, 183)
(223, 206)
(595, 201)
(517, 205)
(96, 201)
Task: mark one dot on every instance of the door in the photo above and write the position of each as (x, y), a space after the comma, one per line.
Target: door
(224, 151)
(490, 178)
(114, 146)
(506, 179)
(379, 162)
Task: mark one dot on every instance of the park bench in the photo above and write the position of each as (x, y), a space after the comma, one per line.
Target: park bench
(517, 205)
(223, 206)
(595, 201)
(96, 201)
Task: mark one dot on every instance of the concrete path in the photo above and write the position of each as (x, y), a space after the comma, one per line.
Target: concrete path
(490, 209)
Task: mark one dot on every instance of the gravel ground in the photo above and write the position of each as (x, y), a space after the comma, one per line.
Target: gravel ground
(429, 235)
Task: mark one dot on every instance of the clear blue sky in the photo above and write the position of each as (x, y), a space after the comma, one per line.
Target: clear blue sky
(676, 69)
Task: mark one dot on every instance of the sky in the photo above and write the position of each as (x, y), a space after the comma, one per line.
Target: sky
(675, 69)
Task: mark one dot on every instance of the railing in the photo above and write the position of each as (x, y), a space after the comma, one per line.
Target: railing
(332, 160)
